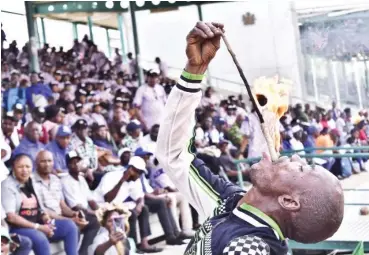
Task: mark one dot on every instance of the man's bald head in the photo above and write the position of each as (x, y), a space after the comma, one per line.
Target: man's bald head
(33, 131)
(44, 162)
(308, 201)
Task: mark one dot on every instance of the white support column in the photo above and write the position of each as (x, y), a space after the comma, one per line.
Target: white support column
(316, 96)
(358, 81)
(336, 85)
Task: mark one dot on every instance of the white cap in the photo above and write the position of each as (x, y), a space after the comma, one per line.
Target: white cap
(138, 163)
(123, 150)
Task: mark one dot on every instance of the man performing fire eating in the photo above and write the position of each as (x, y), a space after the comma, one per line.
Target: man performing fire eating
(289, 199)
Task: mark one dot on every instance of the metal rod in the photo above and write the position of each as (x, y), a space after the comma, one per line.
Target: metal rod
(272, 151)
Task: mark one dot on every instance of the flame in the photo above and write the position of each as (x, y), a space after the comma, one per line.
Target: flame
(272, 98)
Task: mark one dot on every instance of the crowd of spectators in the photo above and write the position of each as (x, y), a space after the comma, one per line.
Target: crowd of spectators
(81, 133)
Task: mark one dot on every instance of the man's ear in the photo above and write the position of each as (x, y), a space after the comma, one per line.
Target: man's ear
(289, 202)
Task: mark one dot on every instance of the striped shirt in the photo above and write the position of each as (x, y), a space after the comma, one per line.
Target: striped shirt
(50, 193)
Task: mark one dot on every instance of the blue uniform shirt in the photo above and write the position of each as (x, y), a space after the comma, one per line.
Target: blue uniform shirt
(29, 148)
(58, 155)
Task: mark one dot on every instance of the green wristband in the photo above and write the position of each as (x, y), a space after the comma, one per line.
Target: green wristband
(192, 77)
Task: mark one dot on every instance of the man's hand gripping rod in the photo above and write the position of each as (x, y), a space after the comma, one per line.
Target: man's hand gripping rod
(271, 147)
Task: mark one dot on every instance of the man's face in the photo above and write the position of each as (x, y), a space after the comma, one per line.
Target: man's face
(58, 77)
(34, 78)
(118, 112)
(45, 163)
(97, 109)
(136, 133)
(73, 165)
(223, 147)
(14, 79)
(63, 141)
(82, 133)
(154, 133)
(134, 174)
(152, 80)
(18, 115)
(39, 118)
(33, 132)
(7, 126)
(79, 111)
(125, 157)
(102, 132)
(286, 176)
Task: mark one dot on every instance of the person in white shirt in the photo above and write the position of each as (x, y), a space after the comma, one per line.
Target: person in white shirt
(150, 100)
(149, 141)
(75, 188)
(231, 116)
(295, 141)
(209, 99)
(252, 130)
(8, 131)
(124, 186)
(96, 115)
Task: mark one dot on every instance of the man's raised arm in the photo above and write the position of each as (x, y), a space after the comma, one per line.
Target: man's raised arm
(176, 132)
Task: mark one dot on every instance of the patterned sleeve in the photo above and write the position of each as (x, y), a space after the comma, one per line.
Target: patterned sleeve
(247, 245)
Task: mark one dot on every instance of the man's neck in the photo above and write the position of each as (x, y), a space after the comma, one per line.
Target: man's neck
(267, 205)
(74, 175)
(44, 177)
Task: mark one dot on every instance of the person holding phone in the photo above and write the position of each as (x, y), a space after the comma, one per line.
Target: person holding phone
(112, 237)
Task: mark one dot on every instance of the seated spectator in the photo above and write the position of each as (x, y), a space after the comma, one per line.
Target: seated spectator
(180, 207)
(100, 137)
(30, 144)
(71, 118)
(38, 115)
(19, 115)
(14, 94)
(149, 140)
(75, 188)
(124, 155)
(9, 131)
(295, 141)
(48, 188)
(85, 148)
(227, 162)
(108, 237)
(312, 134)
(230, 116)
(324, 140)
(235, 134)
(38, 94)
(54, 117)
(25, 215)
(354, 141)
(362, 135)
(121, 186)
(96, 115)
(134, 134)
(209, 99)
(59, 148)
(207, 134)
(158, 202)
